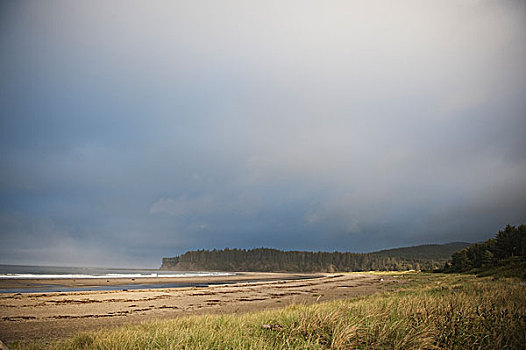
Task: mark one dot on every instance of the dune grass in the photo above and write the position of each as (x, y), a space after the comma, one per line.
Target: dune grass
(433, 311)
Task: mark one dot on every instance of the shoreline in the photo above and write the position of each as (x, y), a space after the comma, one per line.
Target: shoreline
(59, 285)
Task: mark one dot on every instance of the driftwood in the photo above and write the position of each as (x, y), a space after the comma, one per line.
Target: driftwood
(3, 346)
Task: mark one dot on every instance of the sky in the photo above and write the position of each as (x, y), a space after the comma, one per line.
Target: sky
(135, 130)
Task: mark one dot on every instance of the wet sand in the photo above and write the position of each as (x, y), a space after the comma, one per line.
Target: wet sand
(64, 284)
(47, 316)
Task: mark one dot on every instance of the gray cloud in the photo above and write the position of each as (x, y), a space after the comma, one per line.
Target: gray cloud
(128, 134)
(182, 206)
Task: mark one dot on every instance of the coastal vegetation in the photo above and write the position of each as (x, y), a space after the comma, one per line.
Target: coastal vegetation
(504, 255)
(430, 311)
(423, 257)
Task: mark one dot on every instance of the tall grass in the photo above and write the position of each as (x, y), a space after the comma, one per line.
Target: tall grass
(434, 312)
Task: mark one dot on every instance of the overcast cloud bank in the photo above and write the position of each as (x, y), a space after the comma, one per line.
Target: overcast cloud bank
(134, 132)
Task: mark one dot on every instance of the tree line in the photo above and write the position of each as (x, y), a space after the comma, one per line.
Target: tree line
(266, 259)
(508, 246)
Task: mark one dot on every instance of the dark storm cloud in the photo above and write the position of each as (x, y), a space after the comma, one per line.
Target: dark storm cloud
(132, 133)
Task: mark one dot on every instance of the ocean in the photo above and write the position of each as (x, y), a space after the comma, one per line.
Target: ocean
(57, 272)
(10, 272)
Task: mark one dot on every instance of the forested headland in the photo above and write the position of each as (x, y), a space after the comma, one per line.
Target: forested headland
(423, 257)
(504, 255)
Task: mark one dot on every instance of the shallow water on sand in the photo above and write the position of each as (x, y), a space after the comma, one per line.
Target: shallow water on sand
(19, 272)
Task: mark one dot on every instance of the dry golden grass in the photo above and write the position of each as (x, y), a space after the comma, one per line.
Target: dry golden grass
(434, 311)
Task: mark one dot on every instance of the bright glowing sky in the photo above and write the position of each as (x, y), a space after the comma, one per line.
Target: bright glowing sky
(136, 130)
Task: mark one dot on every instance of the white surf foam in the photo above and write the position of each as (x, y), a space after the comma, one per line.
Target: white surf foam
(111, 275)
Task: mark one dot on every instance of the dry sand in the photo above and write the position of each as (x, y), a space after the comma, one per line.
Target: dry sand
(46, 316)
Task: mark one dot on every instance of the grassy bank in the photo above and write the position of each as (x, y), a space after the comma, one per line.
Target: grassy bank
(433, 311)
(511, 268)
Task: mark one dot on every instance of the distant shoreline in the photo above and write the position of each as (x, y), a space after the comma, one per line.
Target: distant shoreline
(58, 285)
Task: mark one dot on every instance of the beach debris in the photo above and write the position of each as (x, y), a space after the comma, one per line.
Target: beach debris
(3, 346)
(275, 327)
(17, 318)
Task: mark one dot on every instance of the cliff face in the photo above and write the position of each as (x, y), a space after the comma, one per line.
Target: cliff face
(170, 263)
(174, 264)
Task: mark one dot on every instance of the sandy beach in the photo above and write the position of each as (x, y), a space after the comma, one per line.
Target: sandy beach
(46, 316)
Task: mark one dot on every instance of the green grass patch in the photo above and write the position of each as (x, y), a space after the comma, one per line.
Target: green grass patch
(512, 269)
